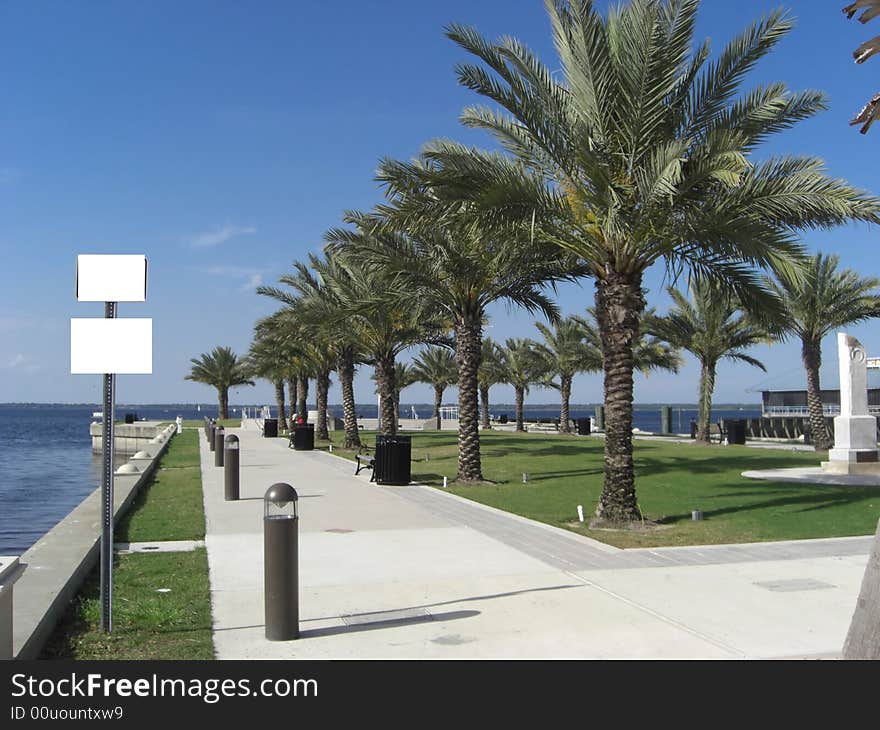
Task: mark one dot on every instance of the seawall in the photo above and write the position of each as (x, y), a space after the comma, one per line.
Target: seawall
(59, 562)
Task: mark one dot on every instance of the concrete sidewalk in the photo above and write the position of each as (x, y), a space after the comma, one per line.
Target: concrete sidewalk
(410, 572)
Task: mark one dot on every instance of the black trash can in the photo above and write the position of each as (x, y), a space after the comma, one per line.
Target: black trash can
(304, 437)
(736, 431)
(502, 418)
(130, 417)
(583, 426)
(693, 429)
(270, 427)
(392, 460)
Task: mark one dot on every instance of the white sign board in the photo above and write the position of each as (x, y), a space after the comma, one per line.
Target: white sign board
(111, 278)
(114, 346)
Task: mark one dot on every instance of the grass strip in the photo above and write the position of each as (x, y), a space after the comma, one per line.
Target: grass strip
(161, 610)
(170, 506)
(161, 601)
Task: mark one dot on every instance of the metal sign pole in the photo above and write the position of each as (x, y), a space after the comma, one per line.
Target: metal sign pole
(107, 449)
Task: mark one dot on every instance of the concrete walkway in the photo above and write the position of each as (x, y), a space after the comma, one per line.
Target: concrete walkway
(412, 572)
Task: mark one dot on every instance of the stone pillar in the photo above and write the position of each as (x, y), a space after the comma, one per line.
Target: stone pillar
(855, 430)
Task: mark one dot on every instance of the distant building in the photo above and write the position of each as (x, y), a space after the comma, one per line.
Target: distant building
(793, 403)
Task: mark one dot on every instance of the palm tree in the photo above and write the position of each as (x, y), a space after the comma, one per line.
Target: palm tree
(223, 369)
(825, 299)
(320, 308)
(710, 327)
(403, 378)
(491, 373)
(639, 152)
(270, 356)
(567, 353)
(451, 259)
(523, 367)
(436, 366)
(382, 317)
(870, 9)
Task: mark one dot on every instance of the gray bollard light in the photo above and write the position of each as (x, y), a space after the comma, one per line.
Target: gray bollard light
(211, 428)
(219, 435)
(230, 468)
(281, 562)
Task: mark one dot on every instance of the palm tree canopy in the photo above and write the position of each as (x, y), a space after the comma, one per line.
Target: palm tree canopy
(448, 251)
(435, 366)
(522, 364)
(566, 348)
(825, 298)
(641, 150)
(710, 325)
(491, 369)
(221, 368)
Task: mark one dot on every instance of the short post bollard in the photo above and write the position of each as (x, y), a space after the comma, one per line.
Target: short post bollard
(211, 428)
(230, 468)
(281, 562)
(219, 435)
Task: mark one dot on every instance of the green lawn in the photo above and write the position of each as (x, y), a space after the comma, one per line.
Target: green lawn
(147, 624)
(161, 601)
(170, 507)
(672, 480)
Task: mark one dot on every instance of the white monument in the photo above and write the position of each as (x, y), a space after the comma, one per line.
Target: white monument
(855, 430)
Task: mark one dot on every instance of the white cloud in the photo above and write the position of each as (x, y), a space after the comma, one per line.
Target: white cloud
(23, 363)
(252, 283)
(219, 235)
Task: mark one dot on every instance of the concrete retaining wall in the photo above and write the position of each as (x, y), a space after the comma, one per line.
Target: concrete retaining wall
(128, 438)
(57, 565)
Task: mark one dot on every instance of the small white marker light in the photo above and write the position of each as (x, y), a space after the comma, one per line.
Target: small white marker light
(581, 512)
(525, 478)
(445, 482)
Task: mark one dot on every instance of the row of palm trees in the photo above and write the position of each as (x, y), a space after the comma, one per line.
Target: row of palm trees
(707, 322)
(638, 152)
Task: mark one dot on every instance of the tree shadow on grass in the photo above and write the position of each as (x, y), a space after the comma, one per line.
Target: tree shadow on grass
(821, 497)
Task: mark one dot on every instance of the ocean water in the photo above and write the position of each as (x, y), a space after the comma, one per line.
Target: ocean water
(47, 467)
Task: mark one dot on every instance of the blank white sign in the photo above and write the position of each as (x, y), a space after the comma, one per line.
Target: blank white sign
(111, 346)
(111, 278)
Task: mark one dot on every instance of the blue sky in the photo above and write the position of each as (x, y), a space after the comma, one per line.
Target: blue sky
(222, 139)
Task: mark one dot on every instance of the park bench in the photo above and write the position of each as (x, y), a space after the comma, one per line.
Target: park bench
(364, 461)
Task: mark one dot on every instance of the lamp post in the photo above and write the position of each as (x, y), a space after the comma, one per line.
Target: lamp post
(107, 347)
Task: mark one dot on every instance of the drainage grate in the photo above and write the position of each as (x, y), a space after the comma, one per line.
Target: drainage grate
(796, 584)
(405, 616)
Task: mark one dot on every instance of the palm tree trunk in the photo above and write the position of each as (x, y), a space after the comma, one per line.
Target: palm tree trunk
(619, 305)
(322, 385)
(484, 411)
(707, 388)
(223, 406)
(438, 401)
(385, 377)
(565, 397)
(468, 349)
(279, 404)
(291, 390)
(811, 354)
(302, 397)
(519, 393)
(345, 368)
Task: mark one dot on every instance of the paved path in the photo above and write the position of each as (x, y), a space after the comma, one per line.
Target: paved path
(416, 572)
